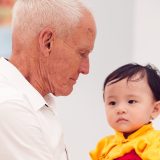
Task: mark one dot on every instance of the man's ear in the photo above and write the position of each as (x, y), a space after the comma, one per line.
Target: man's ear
(46, 38)
(156, 110)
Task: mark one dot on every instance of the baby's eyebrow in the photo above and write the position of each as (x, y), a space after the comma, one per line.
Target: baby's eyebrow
(133, 95)
(110, 97)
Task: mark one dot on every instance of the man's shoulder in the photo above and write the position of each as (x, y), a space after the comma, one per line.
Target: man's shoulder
(8, 92)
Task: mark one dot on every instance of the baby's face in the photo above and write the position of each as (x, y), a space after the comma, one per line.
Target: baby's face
(128, 104)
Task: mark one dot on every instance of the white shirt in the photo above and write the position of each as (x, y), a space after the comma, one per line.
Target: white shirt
(29, 130)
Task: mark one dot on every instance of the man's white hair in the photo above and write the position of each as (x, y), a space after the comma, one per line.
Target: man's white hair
(31, 16)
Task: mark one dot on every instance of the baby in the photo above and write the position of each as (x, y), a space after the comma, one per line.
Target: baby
(132, 100)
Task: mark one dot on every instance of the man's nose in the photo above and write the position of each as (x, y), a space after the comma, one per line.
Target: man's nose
(84, 67)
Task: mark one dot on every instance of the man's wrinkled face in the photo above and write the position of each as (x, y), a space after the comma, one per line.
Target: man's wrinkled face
(70, 57)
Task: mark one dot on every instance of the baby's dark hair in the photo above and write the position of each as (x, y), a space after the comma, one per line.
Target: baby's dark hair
(129, 70)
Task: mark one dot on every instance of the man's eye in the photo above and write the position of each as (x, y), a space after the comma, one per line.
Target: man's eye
(132, 101)
(83, 54)
(112, 103)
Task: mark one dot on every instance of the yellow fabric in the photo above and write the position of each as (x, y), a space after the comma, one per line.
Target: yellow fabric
(145, 142)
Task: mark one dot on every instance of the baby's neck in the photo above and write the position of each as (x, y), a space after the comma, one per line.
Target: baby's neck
(128, 134)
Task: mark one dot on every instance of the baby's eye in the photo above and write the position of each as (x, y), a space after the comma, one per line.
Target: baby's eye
(112, 103)
(132, 101)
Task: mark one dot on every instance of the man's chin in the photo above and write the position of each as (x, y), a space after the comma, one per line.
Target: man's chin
(64, 92)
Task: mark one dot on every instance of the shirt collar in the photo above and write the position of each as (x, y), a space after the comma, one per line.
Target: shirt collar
(16, 79)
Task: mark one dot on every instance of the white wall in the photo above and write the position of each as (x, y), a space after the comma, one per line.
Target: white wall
(147, 31)
(146, 40)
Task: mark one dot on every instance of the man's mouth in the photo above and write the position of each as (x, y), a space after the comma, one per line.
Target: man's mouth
(74, 80)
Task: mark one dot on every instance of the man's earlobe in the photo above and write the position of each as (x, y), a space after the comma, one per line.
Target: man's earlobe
(46, 38)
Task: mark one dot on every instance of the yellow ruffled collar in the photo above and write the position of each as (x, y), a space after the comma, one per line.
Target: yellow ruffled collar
(119, 137)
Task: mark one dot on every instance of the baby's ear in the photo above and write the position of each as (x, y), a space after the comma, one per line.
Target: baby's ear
(156, 110)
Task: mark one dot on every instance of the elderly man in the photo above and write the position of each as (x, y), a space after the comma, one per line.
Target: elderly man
(51, 42)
